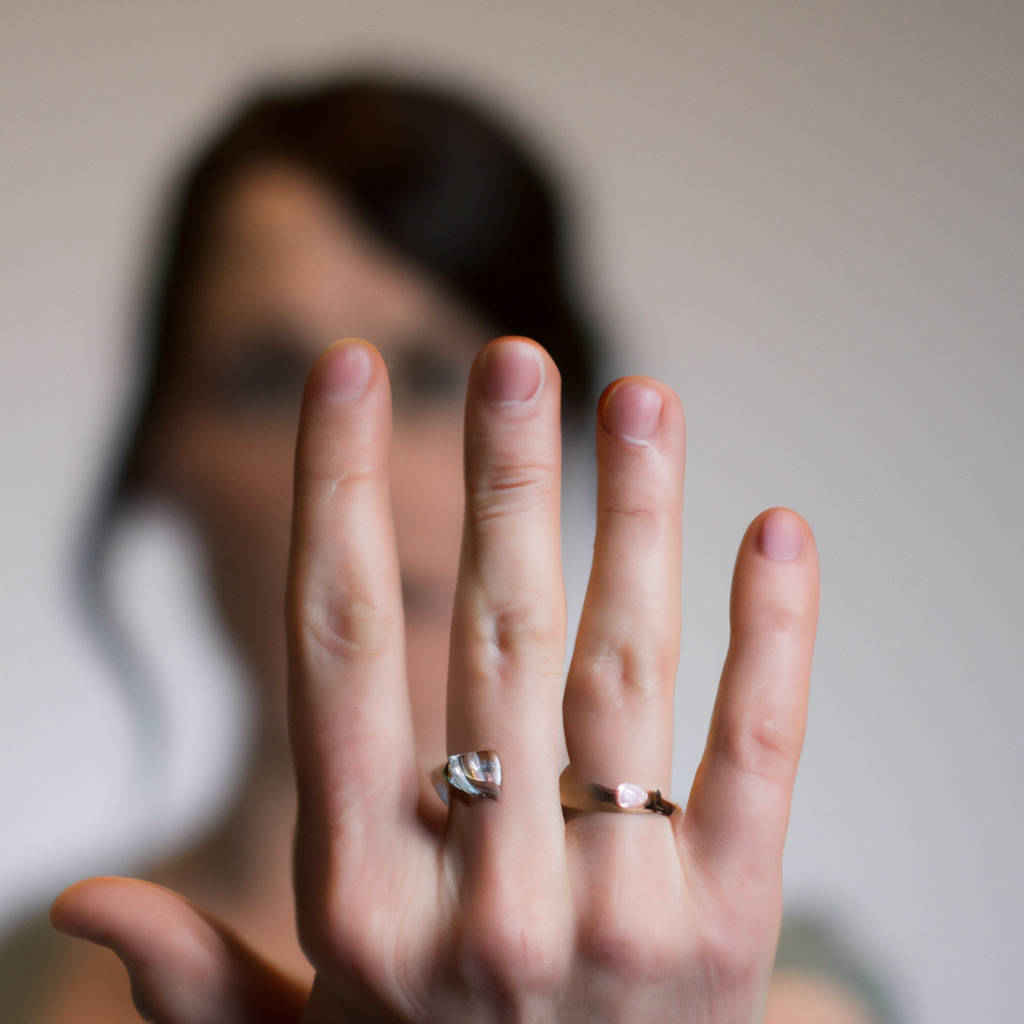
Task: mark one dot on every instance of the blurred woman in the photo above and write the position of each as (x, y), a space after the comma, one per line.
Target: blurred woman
(399, 215)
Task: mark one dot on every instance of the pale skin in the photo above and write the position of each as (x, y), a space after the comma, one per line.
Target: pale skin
(504, 910)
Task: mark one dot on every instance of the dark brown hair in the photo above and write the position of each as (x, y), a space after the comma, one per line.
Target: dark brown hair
(435, 179)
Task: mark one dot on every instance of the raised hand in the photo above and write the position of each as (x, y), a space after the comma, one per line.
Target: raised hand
(518, 910)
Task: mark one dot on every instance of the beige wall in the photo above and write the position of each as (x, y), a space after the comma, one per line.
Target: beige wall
(807, 217)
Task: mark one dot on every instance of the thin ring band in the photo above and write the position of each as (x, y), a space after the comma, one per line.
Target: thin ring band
(625, 798)
(477, 774)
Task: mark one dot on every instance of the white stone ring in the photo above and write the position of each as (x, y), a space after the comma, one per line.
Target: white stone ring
(625, 798)
(477, 774)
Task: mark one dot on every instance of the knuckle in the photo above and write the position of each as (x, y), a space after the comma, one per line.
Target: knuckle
(779, 622)
(770, 743)
(606, 678)
(504, 490)
(632, 939)
(761, 746)
(516, 946)
(526, 624)
(732, 944)
(598, 681)
(642, 516)
(326, 483)
(733, 967)
(346, 625)
(644, 524)
(338, 930)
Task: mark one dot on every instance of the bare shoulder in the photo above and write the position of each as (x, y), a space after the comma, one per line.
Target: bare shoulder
(47, 978)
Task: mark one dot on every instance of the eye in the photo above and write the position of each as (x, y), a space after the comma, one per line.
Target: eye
(266, 374)
(424, 373)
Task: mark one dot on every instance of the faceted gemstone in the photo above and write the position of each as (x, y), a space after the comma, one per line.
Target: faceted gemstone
(482, 766)
(476, 774)
(630, 797)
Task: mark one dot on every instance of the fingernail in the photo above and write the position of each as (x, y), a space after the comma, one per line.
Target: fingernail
(632, 412)
(513, 372)
(348, 372)
(781, 535)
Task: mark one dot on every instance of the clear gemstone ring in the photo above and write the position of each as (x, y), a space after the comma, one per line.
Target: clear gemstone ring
(626, 798)
(477, 774)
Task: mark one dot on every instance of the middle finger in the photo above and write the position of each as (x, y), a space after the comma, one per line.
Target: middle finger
(508, 626)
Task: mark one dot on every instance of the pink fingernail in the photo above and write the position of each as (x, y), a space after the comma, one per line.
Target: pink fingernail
(632, 412)
(348, 372)
(513, 372)
(781, 535)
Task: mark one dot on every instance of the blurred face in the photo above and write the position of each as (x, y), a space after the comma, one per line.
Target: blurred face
(290, 271)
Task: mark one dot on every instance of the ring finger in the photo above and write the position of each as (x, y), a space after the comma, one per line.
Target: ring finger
(619, 694)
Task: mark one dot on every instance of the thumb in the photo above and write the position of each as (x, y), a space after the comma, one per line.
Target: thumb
(185, 966)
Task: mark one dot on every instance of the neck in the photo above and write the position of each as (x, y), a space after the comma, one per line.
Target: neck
(242, 872)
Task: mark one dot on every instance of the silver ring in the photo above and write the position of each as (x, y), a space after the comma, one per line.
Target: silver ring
(477, 774)
(626, 798)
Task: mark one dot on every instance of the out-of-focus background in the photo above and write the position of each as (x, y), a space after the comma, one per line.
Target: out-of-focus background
(807, 217)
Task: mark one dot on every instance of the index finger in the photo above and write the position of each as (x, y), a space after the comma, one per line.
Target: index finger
(348, 702)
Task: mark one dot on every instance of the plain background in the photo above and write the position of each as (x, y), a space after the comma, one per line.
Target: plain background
(808, 218)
